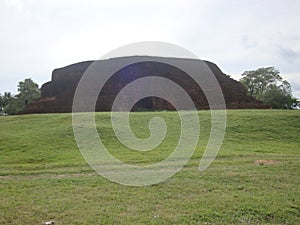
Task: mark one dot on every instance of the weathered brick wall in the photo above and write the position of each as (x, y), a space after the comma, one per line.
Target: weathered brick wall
(57, 95)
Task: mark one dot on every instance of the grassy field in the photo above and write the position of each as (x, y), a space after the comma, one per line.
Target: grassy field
(44, 177)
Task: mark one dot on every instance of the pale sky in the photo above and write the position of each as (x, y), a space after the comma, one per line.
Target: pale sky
(238, 35)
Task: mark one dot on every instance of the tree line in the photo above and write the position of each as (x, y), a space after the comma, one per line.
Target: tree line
(12, 104)
(265, 84)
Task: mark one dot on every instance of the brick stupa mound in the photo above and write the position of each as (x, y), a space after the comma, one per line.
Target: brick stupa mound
(57, 95)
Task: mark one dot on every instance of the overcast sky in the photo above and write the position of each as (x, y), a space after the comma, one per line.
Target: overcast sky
(238, 35)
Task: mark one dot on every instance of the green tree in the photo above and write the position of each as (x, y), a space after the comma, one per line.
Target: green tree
(266, 85)
(14, 106)
(4, 100)
(28, 91)
(278, 96)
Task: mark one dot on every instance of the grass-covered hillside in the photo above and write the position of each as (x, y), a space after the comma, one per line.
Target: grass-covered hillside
(254, 180)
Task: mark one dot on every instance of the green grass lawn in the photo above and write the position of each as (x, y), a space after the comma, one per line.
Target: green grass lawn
(44, 177)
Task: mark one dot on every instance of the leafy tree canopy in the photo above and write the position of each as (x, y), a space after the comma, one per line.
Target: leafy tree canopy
(27, 92)
(266, 85)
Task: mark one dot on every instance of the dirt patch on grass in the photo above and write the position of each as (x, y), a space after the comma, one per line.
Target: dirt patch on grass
(265, 162)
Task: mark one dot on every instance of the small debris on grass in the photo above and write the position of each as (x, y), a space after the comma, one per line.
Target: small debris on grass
(265, 162)
(49, 222)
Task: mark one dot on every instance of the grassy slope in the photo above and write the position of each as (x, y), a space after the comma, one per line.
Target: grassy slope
(44, 177)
